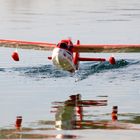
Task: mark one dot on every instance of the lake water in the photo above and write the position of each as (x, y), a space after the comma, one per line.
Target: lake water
(30, 87)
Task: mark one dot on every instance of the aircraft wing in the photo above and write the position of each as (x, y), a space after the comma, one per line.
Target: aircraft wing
(107, 48)
(77, 48)
(27, 44)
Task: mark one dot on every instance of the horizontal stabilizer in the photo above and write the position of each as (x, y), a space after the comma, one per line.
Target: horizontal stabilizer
(91, 59)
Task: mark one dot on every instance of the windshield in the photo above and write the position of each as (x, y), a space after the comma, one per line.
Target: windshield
(63, 45)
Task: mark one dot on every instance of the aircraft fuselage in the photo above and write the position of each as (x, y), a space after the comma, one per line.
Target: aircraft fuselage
(63, 59)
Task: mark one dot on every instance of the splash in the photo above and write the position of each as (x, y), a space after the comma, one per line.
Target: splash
(41, 72)
(88, 69)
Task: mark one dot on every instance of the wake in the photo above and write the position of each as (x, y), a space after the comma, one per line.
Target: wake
(86, 69)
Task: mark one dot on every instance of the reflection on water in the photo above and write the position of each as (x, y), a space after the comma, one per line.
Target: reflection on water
(72, 114)
(31, 134)
(7, 134)
(18, 122)
(91, 21)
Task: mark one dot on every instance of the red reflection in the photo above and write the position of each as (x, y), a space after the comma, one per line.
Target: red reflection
(115, 113)
(69, 114)
(18, 122)
(61, 136)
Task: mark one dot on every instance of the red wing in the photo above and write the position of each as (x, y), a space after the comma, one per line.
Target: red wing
(79, 48)
(107, 48)
(27, 44)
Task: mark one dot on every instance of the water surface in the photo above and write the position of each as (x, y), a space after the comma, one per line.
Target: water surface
(29, 88)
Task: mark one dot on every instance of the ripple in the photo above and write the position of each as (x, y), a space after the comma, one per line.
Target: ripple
(2, 70)
(85, 70)
(43, 71)
(88, 69)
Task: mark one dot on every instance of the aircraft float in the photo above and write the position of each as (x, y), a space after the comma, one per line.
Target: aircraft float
(66, 55)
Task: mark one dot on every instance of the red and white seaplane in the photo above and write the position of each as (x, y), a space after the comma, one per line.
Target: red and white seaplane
(65, 54)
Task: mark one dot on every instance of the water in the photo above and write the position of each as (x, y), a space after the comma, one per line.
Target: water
(29, 87)
(90, 21)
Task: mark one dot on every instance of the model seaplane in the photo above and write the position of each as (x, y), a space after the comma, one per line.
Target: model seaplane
(65, 54)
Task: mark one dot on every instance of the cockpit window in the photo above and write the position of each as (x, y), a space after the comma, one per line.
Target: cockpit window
(63, 45)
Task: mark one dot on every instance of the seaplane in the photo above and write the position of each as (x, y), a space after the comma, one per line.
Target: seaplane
(66, 55)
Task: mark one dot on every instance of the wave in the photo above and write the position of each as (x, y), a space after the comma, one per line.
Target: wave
(91, 68)
(2, 69)
(42, 71)
(86, 69)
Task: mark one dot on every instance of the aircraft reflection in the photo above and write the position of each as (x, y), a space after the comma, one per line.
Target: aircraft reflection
(28, 134)
(18, 122)
(69, 114)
